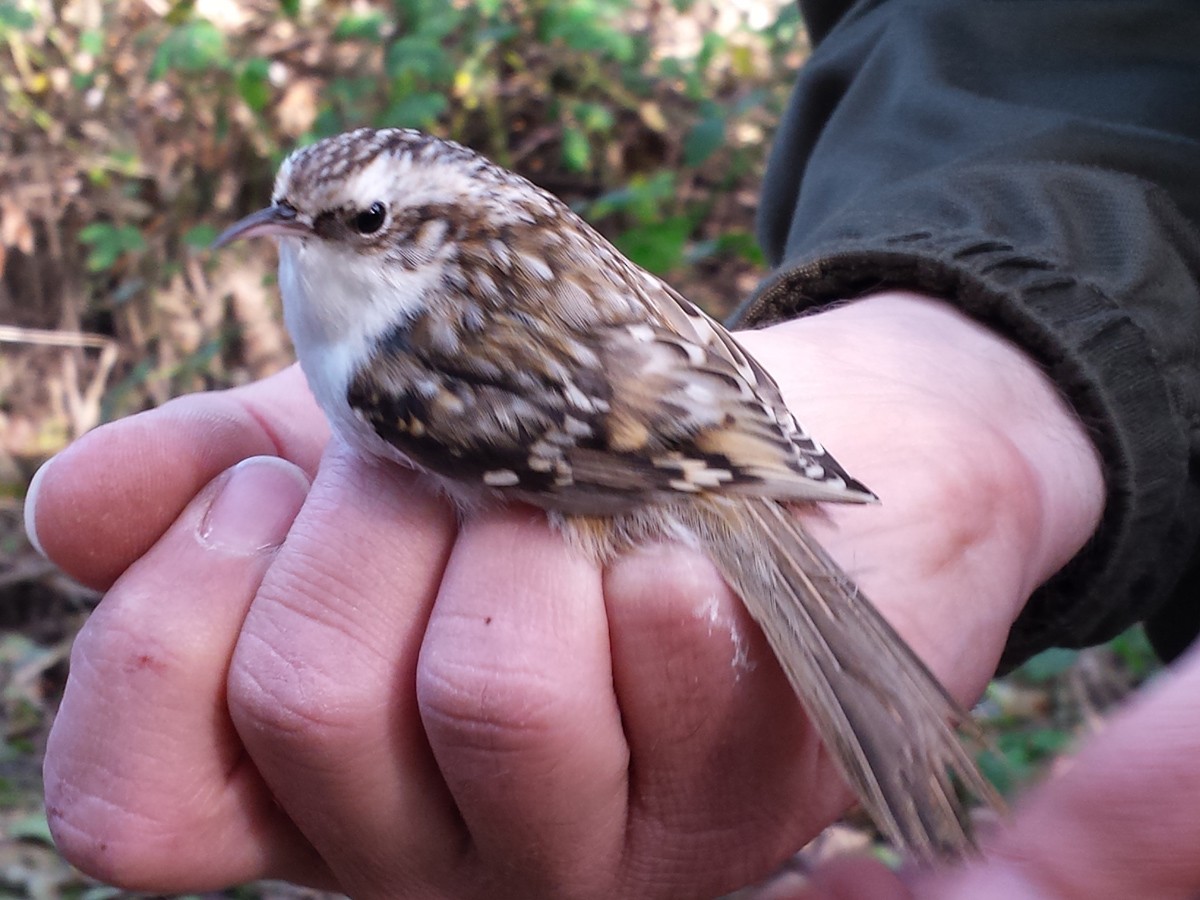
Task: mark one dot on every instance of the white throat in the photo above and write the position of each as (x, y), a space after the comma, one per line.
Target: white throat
(337, 304)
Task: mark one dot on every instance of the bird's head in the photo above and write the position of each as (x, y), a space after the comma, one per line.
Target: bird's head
(370, 222)
(381, 191)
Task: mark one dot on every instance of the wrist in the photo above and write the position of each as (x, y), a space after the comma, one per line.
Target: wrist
(956, 429)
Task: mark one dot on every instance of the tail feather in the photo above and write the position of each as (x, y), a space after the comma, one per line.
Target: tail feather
(887, 719)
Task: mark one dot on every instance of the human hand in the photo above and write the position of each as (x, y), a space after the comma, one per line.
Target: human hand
(1119, 821)
(388, 705)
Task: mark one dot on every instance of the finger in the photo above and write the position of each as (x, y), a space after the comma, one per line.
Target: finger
(102, 502)
(322, 681)
(515, 687)
(1122, 821)
(718, 739)
(146, 782)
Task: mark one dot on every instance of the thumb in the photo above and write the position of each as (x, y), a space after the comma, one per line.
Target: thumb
(146, 781)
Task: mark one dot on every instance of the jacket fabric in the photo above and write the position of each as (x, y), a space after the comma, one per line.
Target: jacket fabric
(1036, 163)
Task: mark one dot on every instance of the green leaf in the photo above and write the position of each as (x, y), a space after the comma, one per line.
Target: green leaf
(656, 246)
(352, 90)
(1046, 742)
(91, 41)
(100, 892)
(329, 122)
(593, 117)
(102, 258)
(419, 56)
(253, 83)
(586, 26)
(1048, 664)
(739, 244)
(703, 140)
(999, 771)
(32, 827)
(1022, 754)
(1133, 648)
(290, 8)
(14, 18)
(436, 18)
(95, 233)
(359, 27)
(710, 45)
(643, 198)
(416, 110)
(743, 245)
(131, 239)
(576, 151)
(109, 243)
(193, 47)
(179, 12)
(497, 33)
(105, 243)
(787, 28)
(200, 236)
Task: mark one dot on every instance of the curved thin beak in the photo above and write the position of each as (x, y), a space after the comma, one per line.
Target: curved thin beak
(277, 219)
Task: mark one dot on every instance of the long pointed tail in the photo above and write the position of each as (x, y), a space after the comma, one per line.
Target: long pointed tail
(887, 719)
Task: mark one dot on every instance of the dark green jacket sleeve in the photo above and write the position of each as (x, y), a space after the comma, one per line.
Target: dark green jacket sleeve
(1037, 163)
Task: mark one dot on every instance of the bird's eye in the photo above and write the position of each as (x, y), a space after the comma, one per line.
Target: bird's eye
(369, 220)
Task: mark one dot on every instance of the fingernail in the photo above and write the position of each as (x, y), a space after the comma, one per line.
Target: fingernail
(255, 505)
(31, 506)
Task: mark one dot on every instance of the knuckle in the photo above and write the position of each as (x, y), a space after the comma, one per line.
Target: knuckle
(293, 699)
(115, 652)
(487, 704)
(304, 673)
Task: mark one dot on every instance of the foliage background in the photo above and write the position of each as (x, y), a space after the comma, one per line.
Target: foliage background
(134, 130)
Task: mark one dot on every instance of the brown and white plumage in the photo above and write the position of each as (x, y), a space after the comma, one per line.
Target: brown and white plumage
(451, 315)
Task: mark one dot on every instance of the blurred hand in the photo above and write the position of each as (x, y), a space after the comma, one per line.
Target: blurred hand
(1122, 821)
(309, 671)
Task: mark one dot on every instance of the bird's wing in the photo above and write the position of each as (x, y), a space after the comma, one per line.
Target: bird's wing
(596, 415)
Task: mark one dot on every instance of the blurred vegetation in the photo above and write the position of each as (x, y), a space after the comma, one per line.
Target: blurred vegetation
(134, 130)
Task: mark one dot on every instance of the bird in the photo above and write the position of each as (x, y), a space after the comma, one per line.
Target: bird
(453, 317)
